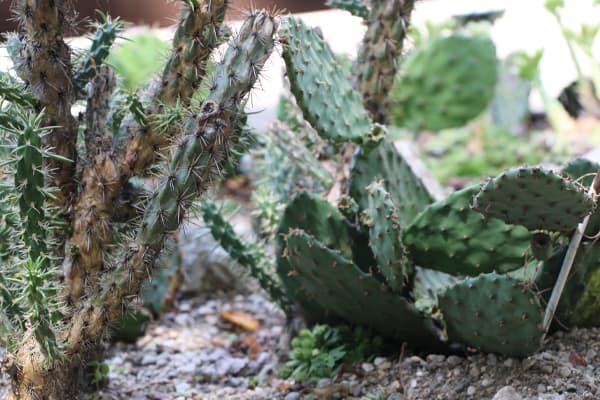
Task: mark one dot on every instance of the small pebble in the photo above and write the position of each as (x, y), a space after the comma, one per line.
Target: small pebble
(471, 390)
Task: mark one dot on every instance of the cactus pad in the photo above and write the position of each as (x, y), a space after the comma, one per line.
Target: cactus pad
(409, 193)
(450, 237)
(384, 235)
(321, 89)
(445, 84)
(316, 216)
(493, 313)
(535, 198)
(349, 294)
(576, 169)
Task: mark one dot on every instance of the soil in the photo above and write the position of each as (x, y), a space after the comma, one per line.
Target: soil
(194, 353)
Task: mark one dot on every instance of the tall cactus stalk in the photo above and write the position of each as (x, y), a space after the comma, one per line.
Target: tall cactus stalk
(379, 54)
(62, 326)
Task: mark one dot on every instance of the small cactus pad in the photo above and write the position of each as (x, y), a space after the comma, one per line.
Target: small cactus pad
(316, 216)
(349, 294)
(535, 198)
(450, 237)
(408, 191)
(576, 169)
(445, 84)
(322, 91)
(384, 236)
(493, 313)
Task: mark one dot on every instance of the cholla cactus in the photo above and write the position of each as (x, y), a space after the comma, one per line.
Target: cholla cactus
(74, 258)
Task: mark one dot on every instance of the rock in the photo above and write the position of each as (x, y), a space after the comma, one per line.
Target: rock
(453, 361)
(206, 266)
(292, 396)
(507, 393)
(182, 387)
(367, 367)
(435, 358)
(487, 382)
(379, 360)
(471, 390)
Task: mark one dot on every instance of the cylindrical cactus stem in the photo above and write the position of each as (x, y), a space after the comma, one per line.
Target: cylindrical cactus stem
(99, 93)
(44, 63)
(197, 35)
(379, 53)
(104, 38)
(254, 259)
(106, 173)
(195, 164)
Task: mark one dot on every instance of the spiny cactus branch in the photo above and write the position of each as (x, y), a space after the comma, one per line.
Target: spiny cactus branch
(378, 56)
(44, 64)
(107, 172)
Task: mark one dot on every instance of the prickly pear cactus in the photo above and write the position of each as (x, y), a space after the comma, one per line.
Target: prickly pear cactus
(355, 7)
(535, 198)
(445, 83)
(450, 237)
(384, 233)
(321, 89)
(400, 179)
(493, 313)
(349, 294)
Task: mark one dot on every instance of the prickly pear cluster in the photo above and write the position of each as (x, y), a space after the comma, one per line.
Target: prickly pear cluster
(384, 247)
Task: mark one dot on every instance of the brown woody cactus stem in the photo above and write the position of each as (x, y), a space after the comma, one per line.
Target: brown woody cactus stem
(107, 172)
(44, 63)
(379, 53)
(194, 165)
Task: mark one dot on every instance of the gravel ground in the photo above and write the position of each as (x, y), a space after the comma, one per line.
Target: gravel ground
(194, 353)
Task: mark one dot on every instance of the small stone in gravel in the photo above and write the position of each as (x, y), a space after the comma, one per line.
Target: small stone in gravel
(564, 372)
(508, 363)
(395, 396)
(454, 360)
(507, 393)
(292, 396)
(182, 387)
(470, 390)
(435, 358)
(487, 382)
(367, 367)
(474, 371)
(379, 360)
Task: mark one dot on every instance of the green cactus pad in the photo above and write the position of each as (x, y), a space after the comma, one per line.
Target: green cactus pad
(321, 89)
(408, 191)
(577, 169)
(445, 84)
(316, 216)
(349, 294)
(493, 313)
(384, 236)
(535, 198)
(450, 237)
